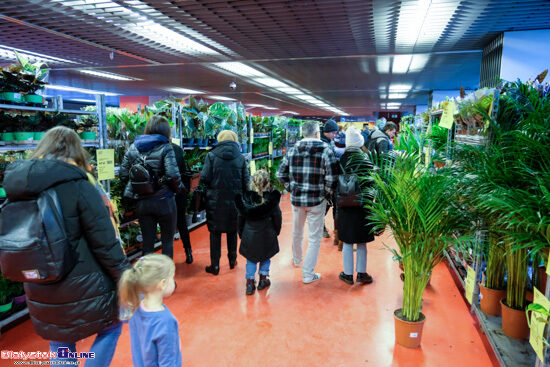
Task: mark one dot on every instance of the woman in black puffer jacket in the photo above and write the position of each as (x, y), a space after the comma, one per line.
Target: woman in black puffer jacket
(84, 302)
(160, 206)
(225, 175)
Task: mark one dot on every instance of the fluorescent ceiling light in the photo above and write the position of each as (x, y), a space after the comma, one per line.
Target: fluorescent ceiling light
(6, 52)
(271, 82)
(401, 64)
(292, 112)
(261, 106)
(418, 62)
(239, 68)
(184, 91)
(383, 64)
(80, 90)
(400, 87)
(82, 100)
(106, 75)
(221, 98)
(397, 95)
(289, 90)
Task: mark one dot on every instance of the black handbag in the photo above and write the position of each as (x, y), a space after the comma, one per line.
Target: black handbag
(348, 191)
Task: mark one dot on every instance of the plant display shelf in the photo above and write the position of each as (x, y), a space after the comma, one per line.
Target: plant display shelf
(471, 139)
(260, 156)
(509, 352)
(19, 147)
(14, 319)
(193, 148)
(262, 136)
(43, 109)
(456, 265)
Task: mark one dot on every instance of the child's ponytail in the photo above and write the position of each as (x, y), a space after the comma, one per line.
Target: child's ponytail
(146, 273)
(261, 183)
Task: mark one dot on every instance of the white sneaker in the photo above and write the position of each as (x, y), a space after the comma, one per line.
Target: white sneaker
(296, 264)
(314, 278)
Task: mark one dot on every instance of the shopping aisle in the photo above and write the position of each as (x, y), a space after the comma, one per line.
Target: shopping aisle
(327, 323)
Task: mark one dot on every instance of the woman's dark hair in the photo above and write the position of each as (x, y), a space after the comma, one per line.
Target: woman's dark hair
(62, 143)
(158, 125)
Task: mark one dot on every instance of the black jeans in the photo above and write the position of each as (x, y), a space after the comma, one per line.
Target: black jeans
(216, 247)
(181, 204)
(161, 211)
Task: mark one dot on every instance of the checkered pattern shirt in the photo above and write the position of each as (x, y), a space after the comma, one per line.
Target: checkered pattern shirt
(309, 172)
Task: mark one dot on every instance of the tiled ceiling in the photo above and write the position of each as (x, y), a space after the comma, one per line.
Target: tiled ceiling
(353, 55)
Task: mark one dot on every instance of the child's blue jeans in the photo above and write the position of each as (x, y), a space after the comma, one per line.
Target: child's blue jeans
(252, 266)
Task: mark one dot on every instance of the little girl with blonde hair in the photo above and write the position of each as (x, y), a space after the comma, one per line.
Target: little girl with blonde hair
(260, 221)
(154, 331)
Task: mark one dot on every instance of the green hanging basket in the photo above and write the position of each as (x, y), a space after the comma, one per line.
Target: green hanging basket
(88, 135)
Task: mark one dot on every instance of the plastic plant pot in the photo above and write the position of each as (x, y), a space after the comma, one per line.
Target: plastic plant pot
(2, 192)
(39, 135)
(13, 97)
(34, 98)
(24, 137)
(6, 307)
(88, 135)
(8, 137)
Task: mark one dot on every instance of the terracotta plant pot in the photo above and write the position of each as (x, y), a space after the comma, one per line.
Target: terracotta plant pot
(529, 296)
(542, 277)
(514, 322)
(490, 300)
(408, 333)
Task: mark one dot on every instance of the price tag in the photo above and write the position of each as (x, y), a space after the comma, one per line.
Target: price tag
(207, 148)
(270, 147)
(536, 333)
(269, 163)
(252, 136)
(252, 167)
(105, 164)
(470, 284)
(176, 141)
(447, 117)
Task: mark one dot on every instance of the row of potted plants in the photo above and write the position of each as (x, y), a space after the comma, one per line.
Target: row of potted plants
(19, 83)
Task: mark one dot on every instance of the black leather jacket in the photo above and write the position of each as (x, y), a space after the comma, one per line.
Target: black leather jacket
(160, 157)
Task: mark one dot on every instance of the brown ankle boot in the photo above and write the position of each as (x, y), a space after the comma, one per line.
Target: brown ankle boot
(340, 245)
(335, 242)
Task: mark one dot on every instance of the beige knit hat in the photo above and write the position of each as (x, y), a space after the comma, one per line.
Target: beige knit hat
(227, 135)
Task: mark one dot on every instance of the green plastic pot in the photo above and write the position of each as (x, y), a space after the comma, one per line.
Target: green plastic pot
(39, 135)
(13, 97)
(34, 98)
(24, 136)
(88, 135)
(2, 192)
(6, 307)
(7, 137)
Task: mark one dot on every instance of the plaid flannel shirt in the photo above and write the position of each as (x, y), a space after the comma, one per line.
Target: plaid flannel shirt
(309, 172)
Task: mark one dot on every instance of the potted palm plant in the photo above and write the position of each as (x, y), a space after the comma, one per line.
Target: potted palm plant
(422, 209)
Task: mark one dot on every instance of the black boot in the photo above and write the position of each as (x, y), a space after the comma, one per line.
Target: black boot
(188, 255)
(250, 287)
(364, 278)
(213, 269)
(264, 282)
(346, 278)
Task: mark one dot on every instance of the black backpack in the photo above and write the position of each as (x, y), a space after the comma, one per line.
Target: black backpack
(348, 191)
(34, 246)
(143, 179)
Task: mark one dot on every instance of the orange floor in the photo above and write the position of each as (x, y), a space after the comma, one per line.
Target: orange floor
(327, 323)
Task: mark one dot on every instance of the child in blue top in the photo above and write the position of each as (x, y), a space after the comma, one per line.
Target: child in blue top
(154, 331)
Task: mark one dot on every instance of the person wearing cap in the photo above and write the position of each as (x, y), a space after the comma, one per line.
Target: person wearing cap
(225, 175)
(352, 224)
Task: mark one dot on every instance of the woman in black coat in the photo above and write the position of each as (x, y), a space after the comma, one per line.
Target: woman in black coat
(158, 207)
(353, 226)
(181, 205)
(84, 302)
(225, 175)
(260, 221)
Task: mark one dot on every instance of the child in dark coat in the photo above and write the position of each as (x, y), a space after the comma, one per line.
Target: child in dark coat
(260, 221)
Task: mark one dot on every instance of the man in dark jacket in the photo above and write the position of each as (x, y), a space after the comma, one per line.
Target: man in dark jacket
(309, 172)
(330, 130)
(379, 141)
(84, 302)
(225, 175)
(159, 207)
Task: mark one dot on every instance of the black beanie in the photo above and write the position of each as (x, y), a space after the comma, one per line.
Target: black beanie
(330, 126)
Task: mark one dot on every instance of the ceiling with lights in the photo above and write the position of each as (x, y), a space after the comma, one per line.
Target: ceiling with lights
(322, 57)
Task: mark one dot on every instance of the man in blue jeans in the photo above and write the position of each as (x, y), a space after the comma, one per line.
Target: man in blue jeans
(309, 172)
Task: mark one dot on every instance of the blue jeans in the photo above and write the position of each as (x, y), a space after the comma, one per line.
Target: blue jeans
(104, 347)
(251, 268)
(347, 253)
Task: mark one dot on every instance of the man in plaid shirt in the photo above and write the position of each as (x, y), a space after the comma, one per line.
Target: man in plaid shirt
(309, 172)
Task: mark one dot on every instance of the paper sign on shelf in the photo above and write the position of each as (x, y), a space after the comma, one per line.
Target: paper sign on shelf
(105, 164)
(252, 136)
(269, 163)
(270, 147)
(252, 167)
(536, 334)
(470, 284)
(447, 116)
(176, 141)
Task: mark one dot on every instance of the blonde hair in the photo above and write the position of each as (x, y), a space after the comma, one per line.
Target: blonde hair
(225, 135)
(62, 143)
(146, 273)
(261, 183)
